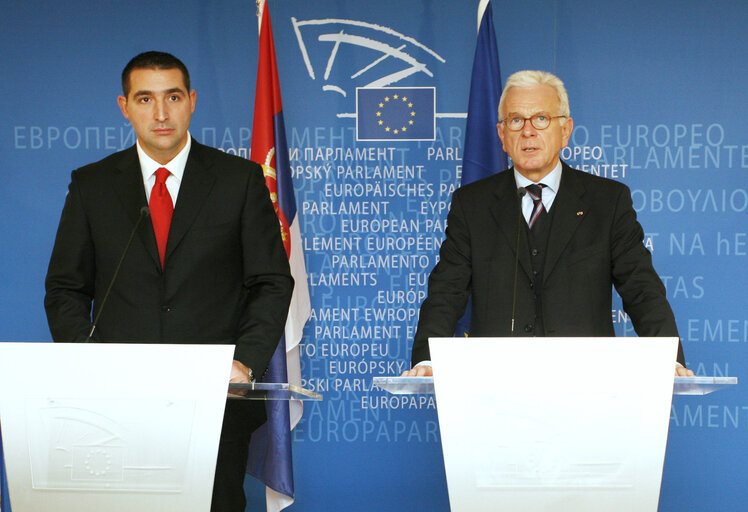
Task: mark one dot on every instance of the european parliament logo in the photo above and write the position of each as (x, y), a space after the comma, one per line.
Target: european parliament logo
(395, 113)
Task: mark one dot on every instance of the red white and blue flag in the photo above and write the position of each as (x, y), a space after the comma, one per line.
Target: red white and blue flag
(270, 458)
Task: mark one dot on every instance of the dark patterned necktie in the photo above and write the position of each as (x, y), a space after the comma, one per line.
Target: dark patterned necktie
(538, 211)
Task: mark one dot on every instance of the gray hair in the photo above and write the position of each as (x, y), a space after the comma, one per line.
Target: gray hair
(534, 78)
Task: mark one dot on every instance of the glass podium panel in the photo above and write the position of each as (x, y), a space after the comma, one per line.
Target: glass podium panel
(682, 385)
(271, 391)
(702, 385)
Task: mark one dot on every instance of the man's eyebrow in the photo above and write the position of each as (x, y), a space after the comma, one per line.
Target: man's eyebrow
(151, 93)
(520, 114)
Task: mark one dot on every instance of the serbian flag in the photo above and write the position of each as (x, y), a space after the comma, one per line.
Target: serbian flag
(270, 457)
(483, 155)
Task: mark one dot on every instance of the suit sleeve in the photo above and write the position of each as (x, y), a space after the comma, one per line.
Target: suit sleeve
(449, 284)
(71, 274)
(267, 279)
(643, 294)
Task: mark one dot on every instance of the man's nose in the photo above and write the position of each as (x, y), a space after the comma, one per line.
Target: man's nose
(161, 113)
(528, 130)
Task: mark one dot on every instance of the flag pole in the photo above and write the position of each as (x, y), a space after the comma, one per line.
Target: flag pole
(270, 457)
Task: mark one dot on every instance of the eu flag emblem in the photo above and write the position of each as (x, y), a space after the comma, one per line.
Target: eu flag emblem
(396, 113)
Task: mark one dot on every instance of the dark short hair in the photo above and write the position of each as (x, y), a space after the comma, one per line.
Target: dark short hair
(153, 60)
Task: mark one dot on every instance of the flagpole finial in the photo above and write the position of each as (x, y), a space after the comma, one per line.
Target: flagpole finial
(260, 5)
(482, 5)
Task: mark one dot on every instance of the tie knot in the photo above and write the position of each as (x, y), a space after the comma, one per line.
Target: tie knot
(161, 174)
(535, 191)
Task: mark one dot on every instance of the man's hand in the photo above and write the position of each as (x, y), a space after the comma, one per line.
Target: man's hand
(240, 374)
(418, 371)
(682, 371)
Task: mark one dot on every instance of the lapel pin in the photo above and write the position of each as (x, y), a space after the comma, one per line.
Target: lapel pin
(580, 213)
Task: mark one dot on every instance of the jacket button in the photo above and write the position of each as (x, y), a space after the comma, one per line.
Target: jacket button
(535, 252)
(165, 309)
(528, 328)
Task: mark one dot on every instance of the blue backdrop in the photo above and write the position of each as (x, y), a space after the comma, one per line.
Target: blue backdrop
(658, 97)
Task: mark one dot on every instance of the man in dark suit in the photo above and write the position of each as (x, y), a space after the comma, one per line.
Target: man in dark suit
(578, 238)
(208, 267)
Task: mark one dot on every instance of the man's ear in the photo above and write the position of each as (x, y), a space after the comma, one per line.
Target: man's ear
(122, 102)
(567, 128)
(500, 131)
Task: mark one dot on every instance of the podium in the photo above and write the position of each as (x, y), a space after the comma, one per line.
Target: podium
(553, 424)
(117, 427)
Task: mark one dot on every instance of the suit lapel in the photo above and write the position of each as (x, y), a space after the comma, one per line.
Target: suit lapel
(196, 185)
(569, 210)
(505, 211)
(128, 185)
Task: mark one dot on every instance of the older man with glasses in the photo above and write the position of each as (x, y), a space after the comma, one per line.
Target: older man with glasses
(541, 245)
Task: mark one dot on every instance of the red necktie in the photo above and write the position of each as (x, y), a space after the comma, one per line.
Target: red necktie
(162, 208)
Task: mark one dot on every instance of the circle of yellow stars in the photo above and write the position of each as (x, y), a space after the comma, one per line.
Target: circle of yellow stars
(402, 128)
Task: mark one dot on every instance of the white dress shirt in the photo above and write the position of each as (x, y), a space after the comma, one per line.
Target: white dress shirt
(175, 166)
(552, 181)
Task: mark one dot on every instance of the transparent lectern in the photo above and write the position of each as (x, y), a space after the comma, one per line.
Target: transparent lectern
(553, 424)
(117, 427)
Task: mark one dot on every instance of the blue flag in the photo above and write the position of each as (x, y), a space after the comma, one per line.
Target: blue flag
(396, 113)
(483, 155)
(4, 497)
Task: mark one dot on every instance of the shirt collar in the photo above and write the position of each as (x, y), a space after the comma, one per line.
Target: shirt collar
(552, 180)
(148, 166)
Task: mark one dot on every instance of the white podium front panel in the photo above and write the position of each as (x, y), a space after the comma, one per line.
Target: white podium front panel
(547, 424)
(112, 427)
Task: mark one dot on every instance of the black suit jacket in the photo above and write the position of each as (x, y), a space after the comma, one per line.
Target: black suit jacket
(595, 241)
(225, 279)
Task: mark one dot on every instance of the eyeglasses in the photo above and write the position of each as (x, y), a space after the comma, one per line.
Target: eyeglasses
(540, 121)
